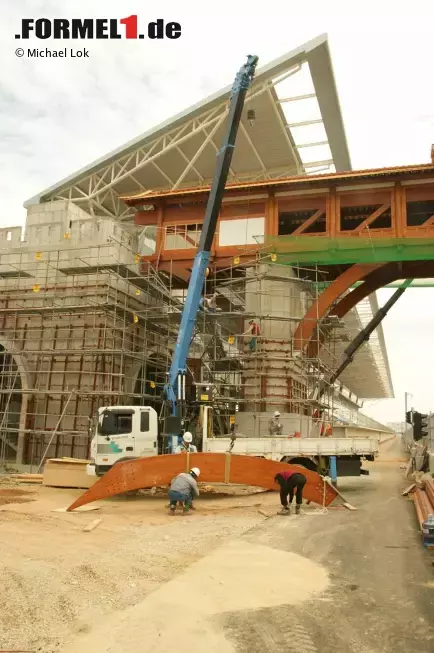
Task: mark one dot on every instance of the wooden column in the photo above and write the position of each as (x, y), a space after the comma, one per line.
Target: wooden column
(332, 215)
(399, 211)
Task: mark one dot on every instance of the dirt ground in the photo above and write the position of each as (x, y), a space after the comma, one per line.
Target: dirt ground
(225, 578)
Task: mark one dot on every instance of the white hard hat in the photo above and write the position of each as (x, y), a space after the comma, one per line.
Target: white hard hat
(187, 437)
(195, 471)
(276, 413)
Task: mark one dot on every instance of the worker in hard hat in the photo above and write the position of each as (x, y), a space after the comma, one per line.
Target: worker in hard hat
(254, 330)
(184, 489)
(290, 483)
(274, 425)
(186, 446)
(210, 303)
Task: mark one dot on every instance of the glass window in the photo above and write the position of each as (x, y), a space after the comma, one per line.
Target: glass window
(148, 240)
(183, 236)
(144, 421)
(245, 231)
(112, 423)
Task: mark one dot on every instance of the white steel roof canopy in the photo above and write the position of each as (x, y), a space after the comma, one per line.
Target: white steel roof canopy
(297, 129)
(369, 375)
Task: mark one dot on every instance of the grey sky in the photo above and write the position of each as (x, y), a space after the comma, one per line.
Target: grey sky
(58, 115)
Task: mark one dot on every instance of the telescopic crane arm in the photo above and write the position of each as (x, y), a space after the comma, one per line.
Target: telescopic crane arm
(365, 334)
(175, 388)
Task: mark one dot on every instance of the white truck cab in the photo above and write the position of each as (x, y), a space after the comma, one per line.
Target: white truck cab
(122, 432)
(125, 432)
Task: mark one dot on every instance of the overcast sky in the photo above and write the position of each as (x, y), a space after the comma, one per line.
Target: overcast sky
(57, 115)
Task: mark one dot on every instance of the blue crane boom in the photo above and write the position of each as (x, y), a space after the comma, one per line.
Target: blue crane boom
(175, 388)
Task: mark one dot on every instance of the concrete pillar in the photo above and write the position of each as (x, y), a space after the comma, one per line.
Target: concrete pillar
(272, 376)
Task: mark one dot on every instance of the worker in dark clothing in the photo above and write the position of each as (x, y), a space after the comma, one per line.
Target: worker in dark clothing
(290, 483)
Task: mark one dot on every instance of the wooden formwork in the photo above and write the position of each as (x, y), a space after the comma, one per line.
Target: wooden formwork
(214, 468)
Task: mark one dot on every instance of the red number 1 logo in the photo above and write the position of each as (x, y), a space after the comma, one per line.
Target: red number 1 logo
(130, 26)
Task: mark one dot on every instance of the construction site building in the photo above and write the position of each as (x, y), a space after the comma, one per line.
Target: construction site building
(92, 288)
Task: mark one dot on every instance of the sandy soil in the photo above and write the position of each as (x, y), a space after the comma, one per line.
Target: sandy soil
(226, 579)
(63, 581)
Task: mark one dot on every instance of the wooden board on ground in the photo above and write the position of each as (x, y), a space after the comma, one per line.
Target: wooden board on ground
(347, 505)
(93, 524)
(81, 509)
(408, 489)
(66, 472)
(27, 478)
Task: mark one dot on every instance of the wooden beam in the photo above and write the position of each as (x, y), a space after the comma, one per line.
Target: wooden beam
(146, 218)
(399, 214)
(429, 222)
(371, 218)
(310, 221)
(333, 214)
(180, 271)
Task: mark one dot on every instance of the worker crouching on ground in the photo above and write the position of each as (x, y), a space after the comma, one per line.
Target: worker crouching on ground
(186, 446)
(184, 490)
(290, 483)
(274, 425)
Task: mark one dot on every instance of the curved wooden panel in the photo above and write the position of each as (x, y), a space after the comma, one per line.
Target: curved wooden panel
(214, 468)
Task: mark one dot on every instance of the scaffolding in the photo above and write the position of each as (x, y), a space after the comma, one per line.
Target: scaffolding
(85, 326)
(73, 330)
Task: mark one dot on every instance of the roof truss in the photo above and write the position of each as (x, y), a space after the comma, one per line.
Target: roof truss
(142, 164)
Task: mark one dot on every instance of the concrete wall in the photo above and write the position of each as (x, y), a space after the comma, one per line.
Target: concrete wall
(68, 317)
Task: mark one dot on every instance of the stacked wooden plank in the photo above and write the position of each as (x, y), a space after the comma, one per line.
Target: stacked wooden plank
(429, 489)
(27, 478)
(424, 503)
(67, 472)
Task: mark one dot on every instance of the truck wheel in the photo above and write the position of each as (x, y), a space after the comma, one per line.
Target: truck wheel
(304, 462)
(129, 493)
